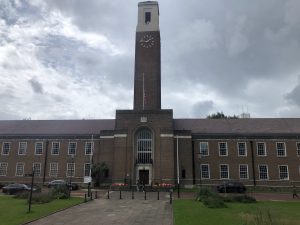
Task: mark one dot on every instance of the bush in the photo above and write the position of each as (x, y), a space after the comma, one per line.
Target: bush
(60, 192)
(209, 198)
(203, 193)
(214, 201)
(22, 195)
(41, 198)
(240, 198)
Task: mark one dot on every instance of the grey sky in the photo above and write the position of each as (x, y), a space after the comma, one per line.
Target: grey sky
(64, 59)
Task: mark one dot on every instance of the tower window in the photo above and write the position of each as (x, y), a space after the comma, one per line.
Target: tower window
(147, 17)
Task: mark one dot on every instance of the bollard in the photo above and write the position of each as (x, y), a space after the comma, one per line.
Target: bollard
(96, 194)
(91, 196)
(157, 195)
(132, 194)
(120, 194)
(171, 197)
(107, 194)
(145, 195)
(85, 200)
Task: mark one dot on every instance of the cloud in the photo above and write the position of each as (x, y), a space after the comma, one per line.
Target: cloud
(75, 59)
(294, 95)
(203, 108)
(36, 86)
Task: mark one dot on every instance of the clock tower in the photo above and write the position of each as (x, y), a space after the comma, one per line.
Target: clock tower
(147, 78)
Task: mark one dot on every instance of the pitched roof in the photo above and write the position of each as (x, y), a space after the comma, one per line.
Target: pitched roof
(240, 126)
(54, 127)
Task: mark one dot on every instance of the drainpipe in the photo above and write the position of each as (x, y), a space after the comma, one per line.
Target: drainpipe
(45, 162)
(193, 162)
(177, 167)
(253, 163)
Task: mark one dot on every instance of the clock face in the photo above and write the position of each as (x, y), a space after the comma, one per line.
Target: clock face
(147, 41)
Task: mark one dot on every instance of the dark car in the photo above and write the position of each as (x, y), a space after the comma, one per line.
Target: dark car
(56, 183)
(231, 187)
(12, 189)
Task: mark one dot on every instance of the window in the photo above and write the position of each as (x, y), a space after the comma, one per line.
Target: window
(147, 17)
(5, 148)
(224, 171)
(89, 148)
(280, 146)
(244, 171)
(223, 149)
(298, 148)
(3, 168)
(55, 148)
(242, 149)
(22, 148)
(87, 169)
(70, 169)
(283, 172)
(261, 149)
(38, 148)
(263, 172)
(53, 169)
(37, 169)
(19, 169)
(72, 148)
(144, 146)
(205, 173)
(204, 149)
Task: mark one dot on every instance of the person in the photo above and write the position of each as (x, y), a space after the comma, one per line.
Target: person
(295, 192)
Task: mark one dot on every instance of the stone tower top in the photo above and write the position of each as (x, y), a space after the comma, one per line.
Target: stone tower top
(148, 16)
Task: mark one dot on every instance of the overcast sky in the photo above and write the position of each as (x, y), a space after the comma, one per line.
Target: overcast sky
(63, 59)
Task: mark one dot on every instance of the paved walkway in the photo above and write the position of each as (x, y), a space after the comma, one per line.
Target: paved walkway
(116, 211)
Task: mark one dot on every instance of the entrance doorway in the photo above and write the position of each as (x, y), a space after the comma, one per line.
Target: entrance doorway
(144, 176)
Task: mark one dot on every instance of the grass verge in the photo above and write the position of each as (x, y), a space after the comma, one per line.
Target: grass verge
(190, 212)
(15, 211)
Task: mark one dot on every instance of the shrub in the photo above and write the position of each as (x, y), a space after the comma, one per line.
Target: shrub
(214, 201)
(60, 192)
(240, 198)
(209, 198)
(41, 198)
(203, 193)
(22, 195)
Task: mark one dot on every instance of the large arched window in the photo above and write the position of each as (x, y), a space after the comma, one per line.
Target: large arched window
(144, 145)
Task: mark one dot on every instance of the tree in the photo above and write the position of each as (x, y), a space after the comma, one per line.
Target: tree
(99, 173)
(221, 115)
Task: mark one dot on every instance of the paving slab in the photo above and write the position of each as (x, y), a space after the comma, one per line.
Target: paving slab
(126, 211)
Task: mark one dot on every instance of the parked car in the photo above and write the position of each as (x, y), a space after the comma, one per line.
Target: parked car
(231, 187)
(17, 188)
(56, 183)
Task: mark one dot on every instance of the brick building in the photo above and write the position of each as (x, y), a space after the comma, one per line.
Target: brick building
(147, 143)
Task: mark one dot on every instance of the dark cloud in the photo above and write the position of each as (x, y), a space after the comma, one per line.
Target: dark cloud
(36, 86)
(294, 96)
(233, 52)
(202, 109)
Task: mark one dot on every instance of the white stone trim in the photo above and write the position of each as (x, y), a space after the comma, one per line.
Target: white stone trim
(167, 135)
(183, 137)
(107, 137)
(120, 135)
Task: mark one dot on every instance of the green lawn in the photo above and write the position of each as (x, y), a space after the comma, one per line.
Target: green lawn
(190, 212)
(14, 211)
